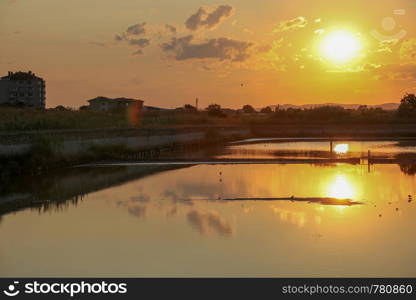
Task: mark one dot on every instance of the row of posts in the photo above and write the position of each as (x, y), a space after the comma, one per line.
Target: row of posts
(368, 155)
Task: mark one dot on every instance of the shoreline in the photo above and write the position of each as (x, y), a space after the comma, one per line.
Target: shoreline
(42, 151)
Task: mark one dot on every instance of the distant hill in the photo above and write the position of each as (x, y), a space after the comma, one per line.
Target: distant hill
(385, 106)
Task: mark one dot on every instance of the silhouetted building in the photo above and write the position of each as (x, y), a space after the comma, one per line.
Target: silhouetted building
(22, 89)
(114, 104)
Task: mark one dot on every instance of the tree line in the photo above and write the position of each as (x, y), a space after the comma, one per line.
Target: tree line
(406, 111)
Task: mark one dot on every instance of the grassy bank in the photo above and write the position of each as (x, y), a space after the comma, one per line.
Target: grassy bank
(18, 119)
(46, 131)
(46, 152)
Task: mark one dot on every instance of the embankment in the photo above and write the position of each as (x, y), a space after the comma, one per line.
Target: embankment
(37, 151)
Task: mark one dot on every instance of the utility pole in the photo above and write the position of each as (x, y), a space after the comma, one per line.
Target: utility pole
(196, 103)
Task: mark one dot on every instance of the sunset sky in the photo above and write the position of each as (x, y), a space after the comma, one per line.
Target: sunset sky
(235, 52)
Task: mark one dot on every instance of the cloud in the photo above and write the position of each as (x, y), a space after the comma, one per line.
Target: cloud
(396, 72)
(385, 46)
(171, 28)
(248, 31)
(132, 32)
(141, 198)
(141, 44)
(99, 44)
(206, 222)
(137, 210)
(217, 48)
(209, 18)
(292, 24)
(408, 49)
(137, 29)
(174, 197)
(132, 36)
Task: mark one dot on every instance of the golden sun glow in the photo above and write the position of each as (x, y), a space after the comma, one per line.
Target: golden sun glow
(341, 148)
(341, 188)
(340, 46)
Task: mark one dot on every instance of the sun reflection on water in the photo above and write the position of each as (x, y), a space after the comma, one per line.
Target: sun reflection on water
(341, 188)
(341, 148)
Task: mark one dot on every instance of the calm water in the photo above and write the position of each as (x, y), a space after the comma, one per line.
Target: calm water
(153, 221)
(276, 148)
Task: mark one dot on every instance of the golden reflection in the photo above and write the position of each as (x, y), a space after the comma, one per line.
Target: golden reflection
(341, 148)
(341, 188)
(291, 216)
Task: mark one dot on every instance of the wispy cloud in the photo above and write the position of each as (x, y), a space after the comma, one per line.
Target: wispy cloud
(405, 72)
(408, 49)
(137, 210)
(222, 48)
(292, 24)
(133, 36)
(171, 28)
(208, 221)
(209, 18)
(100, 44)
(137, 29)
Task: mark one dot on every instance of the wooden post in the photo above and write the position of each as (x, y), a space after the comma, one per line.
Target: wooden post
(368, 160)
(330, 148)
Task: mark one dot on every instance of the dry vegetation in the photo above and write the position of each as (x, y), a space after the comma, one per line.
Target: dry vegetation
(19, 119)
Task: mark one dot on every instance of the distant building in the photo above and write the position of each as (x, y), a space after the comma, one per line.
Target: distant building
(22, 89)
(114, 104)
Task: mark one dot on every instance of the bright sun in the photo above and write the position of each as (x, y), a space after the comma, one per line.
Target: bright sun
(340, 46)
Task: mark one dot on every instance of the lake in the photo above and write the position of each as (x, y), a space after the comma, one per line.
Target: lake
(175, 220)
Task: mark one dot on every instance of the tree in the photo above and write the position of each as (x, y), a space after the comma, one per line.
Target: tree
(189, 108)
(407, 106)
(266, 110)
(60, 108)
(215, 110)
(248, 109)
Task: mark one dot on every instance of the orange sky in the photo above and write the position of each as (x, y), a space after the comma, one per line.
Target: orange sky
(170, 52)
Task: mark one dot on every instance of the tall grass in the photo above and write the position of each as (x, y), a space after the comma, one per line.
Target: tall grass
(14, 119)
